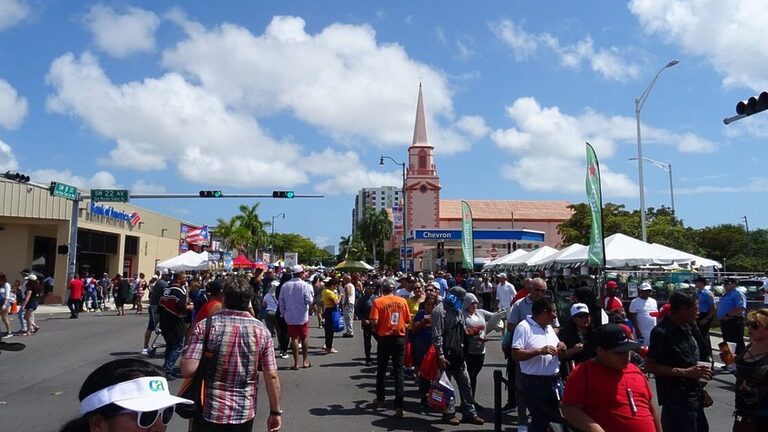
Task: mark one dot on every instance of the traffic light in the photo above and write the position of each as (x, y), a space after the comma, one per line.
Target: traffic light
(210, 194)
(19, 177)
(753, 105)
(283, 194)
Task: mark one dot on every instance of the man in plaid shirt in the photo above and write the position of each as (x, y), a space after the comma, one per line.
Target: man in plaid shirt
(240, 344)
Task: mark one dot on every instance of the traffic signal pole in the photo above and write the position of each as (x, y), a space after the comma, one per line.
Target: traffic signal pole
(161, 196)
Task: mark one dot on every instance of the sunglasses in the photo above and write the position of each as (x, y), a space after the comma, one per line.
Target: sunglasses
(581, 316)
(754, 325)
(145, 419)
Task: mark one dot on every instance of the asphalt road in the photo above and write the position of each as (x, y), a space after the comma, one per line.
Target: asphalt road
(39, 384)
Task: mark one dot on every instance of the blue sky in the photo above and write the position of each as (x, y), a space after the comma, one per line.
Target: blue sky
(248, 97)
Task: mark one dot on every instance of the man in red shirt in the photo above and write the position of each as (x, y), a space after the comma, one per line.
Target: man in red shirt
(611, 302)
(75, 288)
(608, 393)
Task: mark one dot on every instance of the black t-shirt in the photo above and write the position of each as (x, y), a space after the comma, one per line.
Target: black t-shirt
(570, 336)
(678, 347)
(172, 309)
(157, 292)
(124, 289)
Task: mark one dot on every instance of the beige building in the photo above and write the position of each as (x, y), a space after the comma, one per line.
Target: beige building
(112, 237)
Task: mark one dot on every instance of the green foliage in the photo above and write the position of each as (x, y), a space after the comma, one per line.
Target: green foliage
(730, 244)
(374, 230)
(308, 252)
(353, 248)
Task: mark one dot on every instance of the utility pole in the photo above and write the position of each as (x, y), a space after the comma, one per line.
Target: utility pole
(746, 222)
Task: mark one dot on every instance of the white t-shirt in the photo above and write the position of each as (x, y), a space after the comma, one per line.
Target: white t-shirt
(5, 295)
(529, 335)
(486, 287)
(504, 294)
(645, 322)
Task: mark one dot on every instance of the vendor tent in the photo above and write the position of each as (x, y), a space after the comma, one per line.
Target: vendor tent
(622, 251)
(532, 257)
(681, 257)
(187, 261)
(549, 261)
(242, 261)
(504, 259)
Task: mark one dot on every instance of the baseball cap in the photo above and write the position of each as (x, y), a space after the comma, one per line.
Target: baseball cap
(140, 394)
(701, 279)
(297, 269)
(31, 277)
(579, 308)
(645, 286)
(611, 284)
(612, 337)
(215, 286)
(729, 280)
(501, 275)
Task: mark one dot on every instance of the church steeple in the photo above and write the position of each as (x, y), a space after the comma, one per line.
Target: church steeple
(420, 136)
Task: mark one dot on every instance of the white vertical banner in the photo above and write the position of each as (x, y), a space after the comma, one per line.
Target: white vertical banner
(291, 259)
(397, 220)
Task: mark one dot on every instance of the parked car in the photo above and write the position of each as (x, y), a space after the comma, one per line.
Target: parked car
(751, 288)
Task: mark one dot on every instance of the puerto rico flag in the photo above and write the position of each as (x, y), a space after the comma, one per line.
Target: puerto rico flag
(198, 236)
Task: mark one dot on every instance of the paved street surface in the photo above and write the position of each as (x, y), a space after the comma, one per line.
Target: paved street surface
(39, 385)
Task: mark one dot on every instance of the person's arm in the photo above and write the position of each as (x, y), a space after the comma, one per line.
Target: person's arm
(713, 309)
(520, 354)
(655, 413)
(26, 298)
(580, 419)
(437, 335)
(190, 360)
(693, 372)
(272, 384)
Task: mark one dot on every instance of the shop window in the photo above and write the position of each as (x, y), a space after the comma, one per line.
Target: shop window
(131, 245)
(94, 242)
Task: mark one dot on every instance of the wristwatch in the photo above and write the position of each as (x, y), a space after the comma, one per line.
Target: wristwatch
(276, 413)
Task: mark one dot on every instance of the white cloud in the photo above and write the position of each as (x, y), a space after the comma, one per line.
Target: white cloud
(7, 159)
(474, 126)
(12, 12)
(606, 62)
(99, 180)
(172, 119)
(13, 108)
(347, 174)
(120, 35)
(550, 146)
(755, 184)
(522, 43)
(333, 80)
(726, 34)
(145, 187)
(138, 156)
(464, 46)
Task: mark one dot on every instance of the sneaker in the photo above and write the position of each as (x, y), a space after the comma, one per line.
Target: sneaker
(399, 413)
(8, 335)
(451, 419)
(347, 335)
(479, 407)
(475, 420)
(378, 404)
(284, 355)
(144, 351)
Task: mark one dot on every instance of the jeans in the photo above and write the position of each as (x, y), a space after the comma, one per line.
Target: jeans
(683, 419)
(200, 424)
(282, 335)
(474, 366)
(348, 311)
(542, 396)
(457, 371)
(172, 354)
(73, 305)
(328, 327)
(270, 319)
(733, 331)
(367, 335)
(22, 321)
(704, 325)
(390, 347)
(91, 300)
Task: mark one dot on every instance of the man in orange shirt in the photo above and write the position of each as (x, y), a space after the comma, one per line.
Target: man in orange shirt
(389, 317)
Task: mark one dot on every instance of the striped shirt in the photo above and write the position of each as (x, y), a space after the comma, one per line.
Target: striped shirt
(242, 344)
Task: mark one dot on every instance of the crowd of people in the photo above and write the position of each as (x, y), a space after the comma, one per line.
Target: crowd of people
(590, 373)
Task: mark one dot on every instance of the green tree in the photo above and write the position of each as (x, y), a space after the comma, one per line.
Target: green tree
(616, 219)
(253, 229)
(375, 229)
(308, 251)
(352, 247)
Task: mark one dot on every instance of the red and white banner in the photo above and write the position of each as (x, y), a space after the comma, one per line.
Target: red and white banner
(397, 219)
(198, 236)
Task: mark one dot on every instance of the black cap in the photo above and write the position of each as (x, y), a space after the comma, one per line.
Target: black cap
(701, 279)
(730, 280)
(613, 337)
(215, 287)
(458, 292)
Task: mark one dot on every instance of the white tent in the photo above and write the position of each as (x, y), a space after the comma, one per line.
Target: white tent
(564, 253)
(684, 257)
(189, 260)
(622, 251)
(532, 257)
(504, 259)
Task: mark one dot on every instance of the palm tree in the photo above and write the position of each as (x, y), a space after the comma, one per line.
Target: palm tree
(253, 228)
(375, 228)
(225, 231)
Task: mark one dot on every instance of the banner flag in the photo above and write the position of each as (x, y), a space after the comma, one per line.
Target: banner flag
(467, 241)
(596, 253)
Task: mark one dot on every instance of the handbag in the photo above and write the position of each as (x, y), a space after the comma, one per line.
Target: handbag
(193, 388)
(337, 320)
(429, 368)
(408, 358)
(441, 393)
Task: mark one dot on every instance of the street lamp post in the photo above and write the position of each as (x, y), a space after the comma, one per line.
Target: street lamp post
(405, 215)
(668, 168)
(639, 102)
(272, 237)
